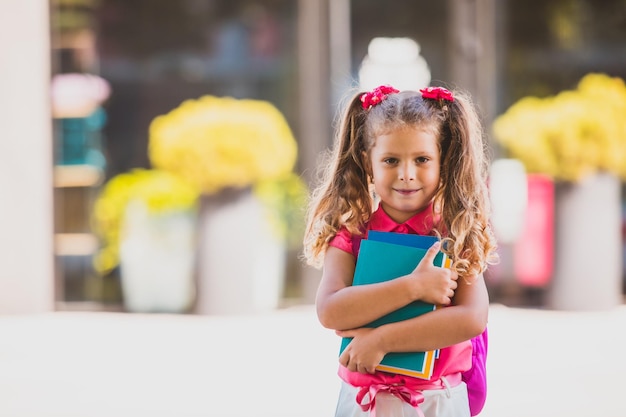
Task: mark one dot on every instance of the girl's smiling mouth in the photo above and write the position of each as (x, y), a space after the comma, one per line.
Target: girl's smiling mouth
(405, 191)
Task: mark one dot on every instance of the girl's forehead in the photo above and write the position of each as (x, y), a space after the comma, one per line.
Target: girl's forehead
(406, 139)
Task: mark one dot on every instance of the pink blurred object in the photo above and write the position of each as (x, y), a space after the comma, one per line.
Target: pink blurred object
(534, 251)
(77, 95)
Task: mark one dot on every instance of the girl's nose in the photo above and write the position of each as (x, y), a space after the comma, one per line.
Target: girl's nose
(407, 173)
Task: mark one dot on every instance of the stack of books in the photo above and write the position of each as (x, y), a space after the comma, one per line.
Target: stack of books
(384, 256)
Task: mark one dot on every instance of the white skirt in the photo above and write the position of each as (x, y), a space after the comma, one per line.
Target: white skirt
(446, 402)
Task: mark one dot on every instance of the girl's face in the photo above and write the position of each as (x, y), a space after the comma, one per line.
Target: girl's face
(405, 164)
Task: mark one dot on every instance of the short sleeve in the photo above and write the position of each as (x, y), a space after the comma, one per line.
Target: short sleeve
(343, 240)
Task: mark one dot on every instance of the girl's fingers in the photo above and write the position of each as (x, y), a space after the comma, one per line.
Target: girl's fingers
(429, 257)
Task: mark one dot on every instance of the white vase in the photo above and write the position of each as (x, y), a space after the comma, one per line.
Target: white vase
(157, 254)
(588, 258)
(241, 261)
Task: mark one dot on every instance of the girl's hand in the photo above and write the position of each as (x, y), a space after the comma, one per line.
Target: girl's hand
(433, 284)
(363, 354)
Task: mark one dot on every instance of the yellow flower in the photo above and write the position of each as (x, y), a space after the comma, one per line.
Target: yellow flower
(160, 191)
(222, 142)
(572, 134)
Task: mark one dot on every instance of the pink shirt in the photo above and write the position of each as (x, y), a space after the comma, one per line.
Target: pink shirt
(453, 359)
(421, 224)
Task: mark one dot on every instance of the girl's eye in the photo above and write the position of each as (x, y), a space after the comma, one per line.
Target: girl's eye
(422, 160)
(390, 161)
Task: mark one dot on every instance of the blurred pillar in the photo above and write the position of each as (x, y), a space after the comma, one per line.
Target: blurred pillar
(340, 52)
(588, 260)
(314, 91)
(473, 51)
(26, 222)
(315, 133)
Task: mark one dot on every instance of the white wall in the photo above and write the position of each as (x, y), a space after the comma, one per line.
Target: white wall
(26, 225)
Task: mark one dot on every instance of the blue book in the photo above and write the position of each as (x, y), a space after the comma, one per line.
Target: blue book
(381, 261)
(406, 239)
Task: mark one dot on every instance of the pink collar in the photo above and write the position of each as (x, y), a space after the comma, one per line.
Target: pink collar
(422, 223)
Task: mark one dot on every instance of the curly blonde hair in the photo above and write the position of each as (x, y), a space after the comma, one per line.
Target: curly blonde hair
(343, 197)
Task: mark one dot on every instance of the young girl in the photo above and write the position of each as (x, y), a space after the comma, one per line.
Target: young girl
(406, 162)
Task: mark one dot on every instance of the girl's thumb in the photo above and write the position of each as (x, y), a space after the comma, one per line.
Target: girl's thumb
(430, 254)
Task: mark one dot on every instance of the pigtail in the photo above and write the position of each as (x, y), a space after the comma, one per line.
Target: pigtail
(463, 196)
(343, 197)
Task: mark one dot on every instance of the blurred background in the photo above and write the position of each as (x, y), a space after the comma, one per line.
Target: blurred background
(86, 81)
(155, 160)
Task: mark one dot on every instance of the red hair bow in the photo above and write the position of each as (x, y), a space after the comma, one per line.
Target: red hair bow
(437, 93)
(377, 95)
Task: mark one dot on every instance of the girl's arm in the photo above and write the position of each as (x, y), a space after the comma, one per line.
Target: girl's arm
(464, 319)
(341, 306)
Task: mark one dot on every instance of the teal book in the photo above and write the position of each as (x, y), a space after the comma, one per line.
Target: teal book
(381, 261)
(413, 240)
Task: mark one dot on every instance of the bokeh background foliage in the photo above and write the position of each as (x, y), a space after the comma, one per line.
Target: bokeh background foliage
(572, 134)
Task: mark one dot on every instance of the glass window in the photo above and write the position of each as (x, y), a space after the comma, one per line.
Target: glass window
(547, 46)
(157, 53)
